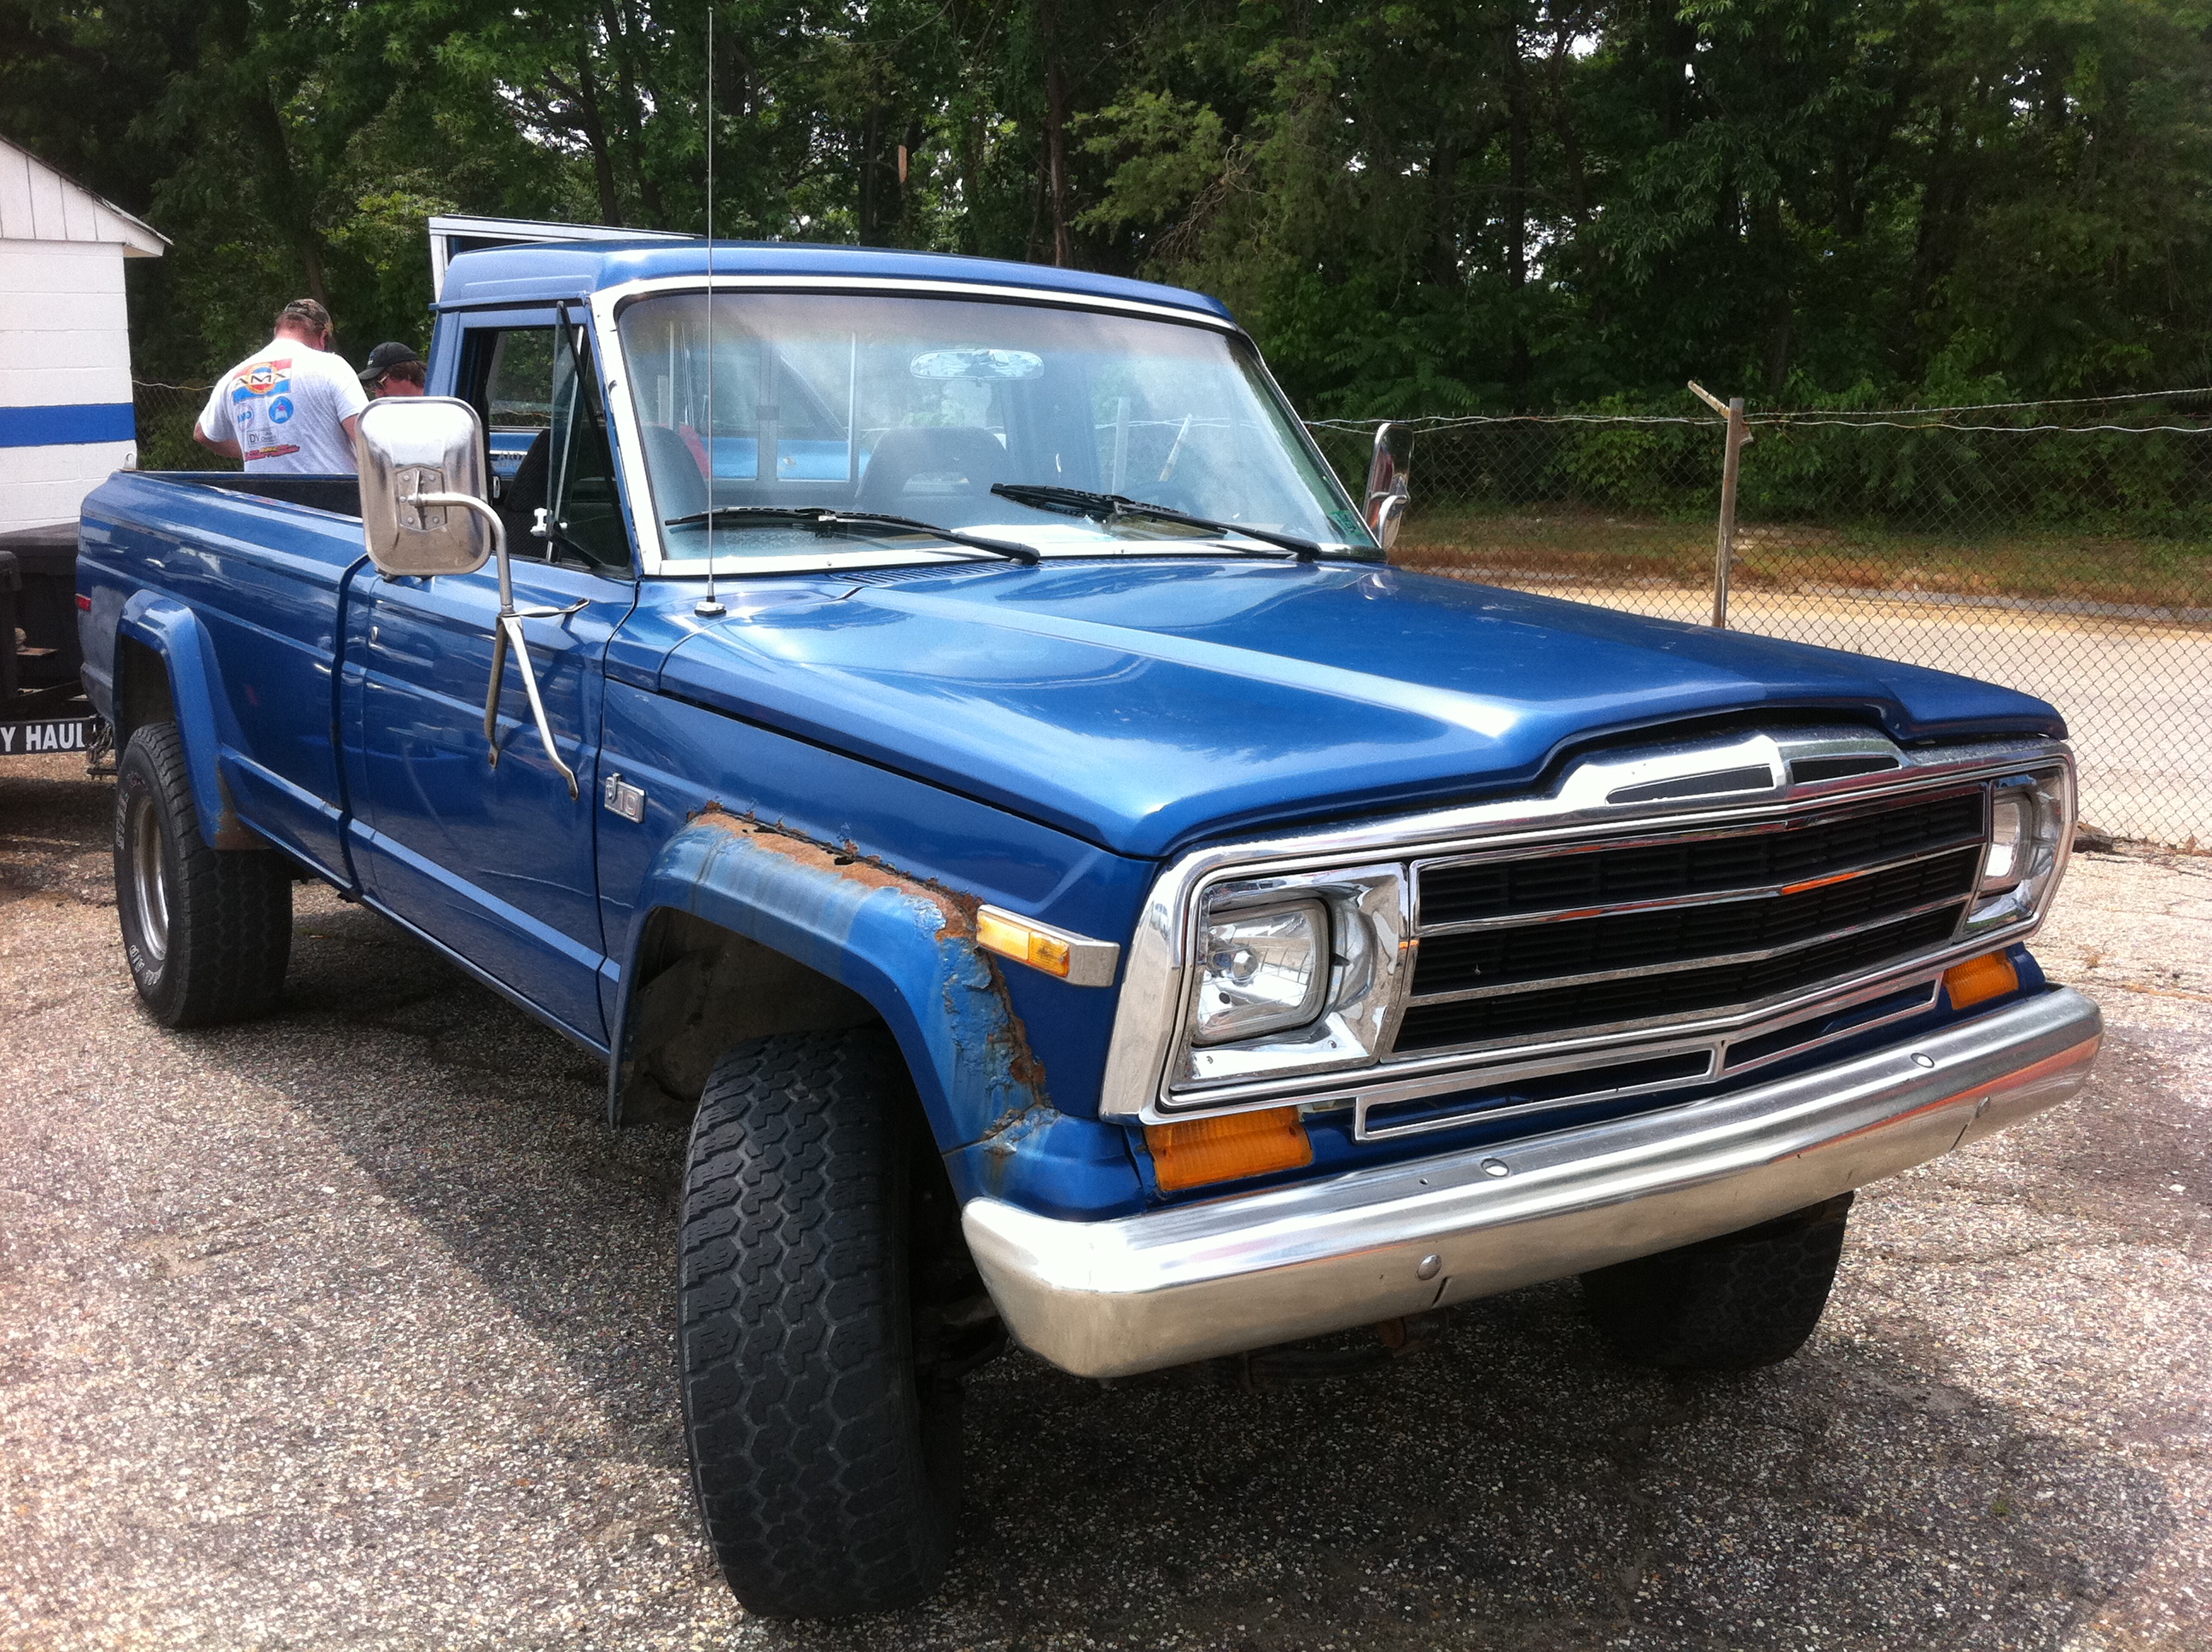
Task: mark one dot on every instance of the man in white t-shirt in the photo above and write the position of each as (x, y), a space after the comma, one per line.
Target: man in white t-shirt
(291, 406)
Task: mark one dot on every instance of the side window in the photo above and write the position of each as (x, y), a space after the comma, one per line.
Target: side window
(538, 395)
(507, 373)
(517, 390)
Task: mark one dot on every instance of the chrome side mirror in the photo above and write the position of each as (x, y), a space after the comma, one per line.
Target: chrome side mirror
(424, 512)
(1387, 491)
(410, 446)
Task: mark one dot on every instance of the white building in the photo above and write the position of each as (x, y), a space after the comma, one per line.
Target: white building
(65, 409)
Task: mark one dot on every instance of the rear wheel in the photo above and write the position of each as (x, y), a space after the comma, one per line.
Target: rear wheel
(1742, 1300)
(826, 1455)
(208, 932)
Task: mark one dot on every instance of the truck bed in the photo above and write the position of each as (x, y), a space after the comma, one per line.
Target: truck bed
(339, 494)
(251, 570)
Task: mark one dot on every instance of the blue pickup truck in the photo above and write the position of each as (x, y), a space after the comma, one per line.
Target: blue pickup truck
(939, 727)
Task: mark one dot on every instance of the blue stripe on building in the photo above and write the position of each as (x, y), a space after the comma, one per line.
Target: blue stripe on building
(71, 423)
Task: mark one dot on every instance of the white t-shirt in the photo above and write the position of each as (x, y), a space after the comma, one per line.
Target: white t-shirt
(285, 406)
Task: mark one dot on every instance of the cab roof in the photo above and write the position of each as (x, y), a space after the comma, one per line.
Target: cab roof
(535, 272)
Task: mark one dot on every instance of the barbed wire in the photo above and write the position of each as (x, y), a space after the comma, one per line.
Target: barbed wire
(2047, 401)
(1431, 421)
(1803, 421)
(1896, 417)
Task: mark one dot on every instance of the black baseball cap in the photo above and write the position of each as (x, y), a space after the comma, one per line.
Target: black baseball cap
(384, 358)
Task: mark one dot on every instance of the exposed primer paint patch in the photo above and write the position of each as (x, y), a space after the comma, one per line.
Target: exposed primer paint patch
(969, 971)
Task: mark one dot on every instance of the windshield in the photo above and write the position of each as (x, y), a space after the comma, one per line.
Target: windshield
(917, 407)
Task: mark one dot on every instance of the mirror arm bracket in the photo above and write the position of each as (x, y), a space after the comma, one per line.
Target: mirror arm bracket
(508, 626)
(1388, 493)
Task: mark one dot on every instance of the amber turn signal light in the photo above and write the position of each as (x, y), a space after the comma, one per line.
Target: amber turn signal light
(1979, 979)
(1192, 1154)
(1023, 942)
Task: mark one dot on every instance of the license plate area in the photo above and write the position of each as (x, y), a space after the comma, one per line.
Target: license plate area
(46, 736)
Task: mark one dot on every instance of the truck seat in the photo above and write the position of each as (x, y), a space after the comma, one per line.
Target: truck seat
(525, 494)
(908, 452)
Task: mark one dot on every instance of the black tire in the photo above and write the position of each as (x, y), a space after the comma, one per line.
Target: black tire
(826, 1460)
(1728, 1304)
(208, 932)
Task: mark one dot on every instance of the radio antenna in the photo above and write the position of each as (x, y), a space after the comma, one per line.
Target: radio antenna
(711, 606)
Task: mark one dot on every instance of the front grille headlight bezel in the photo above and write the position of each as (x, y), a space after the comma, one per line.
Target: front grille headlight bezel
(2028, 839)
(1348, 1050)
(1355, 993)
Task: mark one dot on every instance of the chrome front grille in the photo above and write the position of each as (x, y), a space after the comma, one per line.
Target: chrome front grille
(1570, 941)
(1661, 920)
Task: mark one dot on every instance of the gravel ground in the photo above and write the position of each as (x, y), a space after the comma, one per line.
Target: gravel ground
(350, 1328)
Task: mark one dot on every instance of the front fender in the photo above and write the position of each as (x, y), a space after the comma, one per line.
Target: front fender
(905, 945)
(175, 634)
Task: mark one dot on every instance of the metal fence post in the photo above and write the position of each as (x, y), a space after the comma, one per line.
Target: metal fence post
(1738, 433)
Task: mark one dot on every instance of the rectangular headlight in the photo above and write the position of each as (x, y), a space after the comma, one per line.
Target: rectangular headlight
(2012, 838)
(2031, 828)
(1292, 973)
(1261, 971)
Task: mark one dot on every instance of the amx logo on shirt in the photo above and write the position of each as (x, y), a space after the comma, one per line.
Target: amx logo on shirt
(262, 377)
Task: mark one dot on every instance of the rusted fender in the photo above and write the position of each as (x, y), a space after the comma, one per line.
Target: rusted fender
(173, 631)
(906, 945)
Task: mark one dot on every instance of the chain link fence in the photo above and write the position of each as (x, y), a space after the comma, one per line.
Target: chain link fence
(2062, 549)
(166, 414)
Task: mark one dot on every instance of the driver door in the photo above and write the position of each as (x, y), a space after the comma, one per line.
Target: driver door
(497, 862)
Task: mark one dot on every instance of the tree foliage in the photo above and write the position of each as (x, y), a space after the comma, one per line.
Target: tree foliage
(1417, 205)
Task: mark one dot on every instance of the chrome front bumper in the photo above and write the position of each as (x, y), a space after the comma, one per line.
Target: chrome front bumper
(1140, 1292)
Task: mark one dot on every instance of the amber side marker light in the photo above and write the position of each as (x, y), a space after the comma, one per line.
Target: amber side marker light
(1076, 959)
(1193, 1154)
(1979, 980)
(1023, 942)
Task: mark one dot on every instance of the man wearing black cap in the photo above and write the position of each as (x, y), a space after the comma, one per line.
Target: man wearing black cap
(393, 369)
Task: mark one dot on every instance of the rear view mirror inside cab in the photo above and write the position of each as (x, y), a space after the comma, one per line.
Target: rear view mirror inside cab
(976, 363)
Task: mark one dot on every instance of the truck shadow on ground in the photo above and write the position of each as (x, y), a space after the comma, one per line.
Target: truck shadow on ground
(1513, 1485)
(56, 829)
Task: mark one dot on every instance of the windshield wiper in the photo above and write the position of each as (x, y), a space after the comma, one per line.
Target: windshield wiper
(1104, 508)
(825, 517)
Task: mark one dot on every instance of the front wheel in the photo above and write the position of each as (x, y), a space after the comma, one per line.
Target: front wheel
(1728, 1304)
(208, 932)
(826, 1457)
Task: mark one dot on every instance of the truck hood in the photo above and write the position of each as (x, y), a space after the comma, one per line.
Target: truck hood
(1144, 705)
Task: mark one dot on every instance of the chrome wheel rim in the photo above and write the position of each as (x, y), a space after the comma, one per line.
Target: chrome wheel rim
(149, 885)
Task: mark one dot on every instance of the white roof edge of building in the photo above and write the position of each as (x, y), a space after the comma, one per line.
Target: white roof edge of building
(138, 238)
